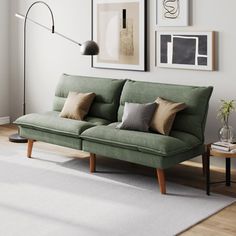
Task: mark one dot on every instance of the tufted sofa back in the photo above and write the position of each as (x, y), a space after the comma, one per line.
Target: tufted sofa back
(107, 91)
(191, 120)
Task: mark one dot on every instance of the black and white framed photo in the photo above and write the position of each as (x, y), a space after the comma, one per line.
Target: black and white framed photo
(185, 50)
(172, 12)
(118, 26)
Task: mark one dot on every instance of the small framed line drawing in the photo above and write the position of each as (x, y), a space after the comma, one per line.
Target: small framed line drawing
(119, 28)
(186, 50)
(172, 12)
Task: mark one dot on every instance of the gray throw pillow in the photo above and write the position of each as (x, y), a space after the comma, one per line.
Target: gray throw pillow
(137, 116)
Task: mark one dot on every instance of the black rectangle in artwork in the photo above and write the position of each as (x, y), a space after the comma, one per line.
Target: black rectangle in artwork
(202, 47)
(124, 18)
(202, 61)
(165, 39)
(202, 43)
(184, 51)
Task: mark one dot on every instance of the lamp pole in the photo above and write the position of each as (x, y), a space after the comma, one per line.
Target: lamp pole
(87, 48)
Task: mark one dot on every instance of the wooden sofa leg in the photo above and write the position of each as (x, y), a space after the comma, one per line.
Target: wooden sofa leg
(30, 147)
(92, 162)
(161, 180)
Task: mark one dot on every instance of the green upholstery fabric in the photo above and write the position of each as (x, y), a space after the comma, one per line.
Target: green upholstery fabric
(53, 138)
(141, 158)
(191, 120)
(97, 135)
(97, 121)
(107, 92)
(51, 122)
(142, 141)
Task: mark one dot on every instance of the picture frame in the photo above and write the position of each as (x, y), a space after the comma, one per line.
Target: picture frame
(186, 50)
(119, 28)
(172, 12)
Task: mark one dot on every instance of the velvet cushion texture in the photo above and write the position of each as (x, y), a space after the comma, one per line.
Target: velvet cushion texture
(191, 120)
(164, 115)
(107, 90)
(77, 105)
(50, 122)
(141, 141)
(137, 116)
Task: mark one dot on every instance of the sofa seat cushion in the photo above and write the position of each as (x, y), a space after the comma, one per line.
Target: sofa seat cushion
(51, 122)
(152, 143)
(97, 121)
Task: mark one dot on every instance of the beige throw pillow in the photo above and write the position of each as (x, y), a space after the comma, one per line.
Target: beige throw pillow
(164, 115)
(77, 105)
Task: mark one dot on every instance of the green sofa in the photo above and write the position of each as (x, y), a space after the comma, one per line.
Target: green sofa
(98, 134)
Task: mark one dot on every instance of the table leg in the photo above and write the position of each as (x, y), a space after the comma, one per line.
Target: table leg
(207, 169)
(227, 171)
(203, 164)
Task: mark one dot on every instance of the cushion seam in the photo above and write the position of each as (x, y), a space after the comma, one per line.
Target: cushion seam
(132, 145)
(45, 129)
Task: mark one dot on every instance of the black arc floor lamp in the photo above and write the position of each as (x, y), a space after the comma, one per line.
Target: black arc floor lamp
(87, 48)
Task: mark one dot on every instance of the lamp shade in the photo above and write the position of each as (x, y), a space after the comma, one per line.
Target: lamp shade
(89, 48)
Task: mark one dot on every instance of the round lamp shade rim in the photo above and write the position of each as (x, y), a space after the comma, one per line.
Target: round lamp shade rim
(89, 47)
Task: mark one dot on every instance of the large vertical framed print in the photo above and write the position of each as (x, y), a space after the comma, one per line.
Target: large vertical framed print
(119, 28)
(186, 50)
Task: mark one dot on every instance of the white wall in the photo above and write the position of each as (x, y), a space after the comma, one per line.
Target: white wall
(4, 58)
(49, 56)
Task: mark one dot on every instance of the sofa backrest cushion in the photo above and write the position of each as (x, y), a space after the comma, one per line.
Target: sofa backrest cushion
(191, 120)
(106, 102)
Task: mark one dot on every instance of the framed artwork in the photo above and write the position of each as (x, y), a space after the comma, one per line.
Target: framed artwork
(119, 28)
(185, 50)
(172, 12)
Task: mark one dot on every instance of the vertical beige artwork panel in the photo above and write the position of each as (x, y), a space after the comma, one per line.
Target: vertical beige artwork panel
(119, 30)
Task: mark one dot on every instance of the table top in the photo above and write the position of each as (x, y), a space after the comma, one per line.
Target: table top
(219, 153)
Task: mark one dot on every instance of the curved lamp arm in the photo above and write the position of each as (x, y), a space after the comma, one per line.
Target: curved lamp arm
(25, 24)
(44, 3)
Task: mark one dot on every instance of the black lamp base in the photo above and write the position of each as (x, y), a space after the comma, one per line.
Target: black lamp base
(16, 138)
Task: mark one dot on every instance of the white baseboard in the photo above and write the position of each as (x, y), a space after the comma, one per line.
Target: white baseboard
(4, 120)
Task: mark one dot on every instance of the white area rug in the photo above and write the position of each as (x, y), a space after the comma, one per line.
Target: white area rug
(57, 196)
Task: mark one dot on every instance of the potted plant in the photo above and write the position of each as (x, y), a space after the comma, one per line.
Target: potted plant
(226, 132)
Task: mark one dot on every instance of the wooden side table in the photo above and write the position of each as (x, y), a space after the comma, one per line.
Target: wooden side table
(221, 154)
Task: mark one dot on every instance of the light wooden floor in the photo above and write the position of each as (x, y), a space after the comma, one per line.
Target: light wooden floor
(188, 173)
